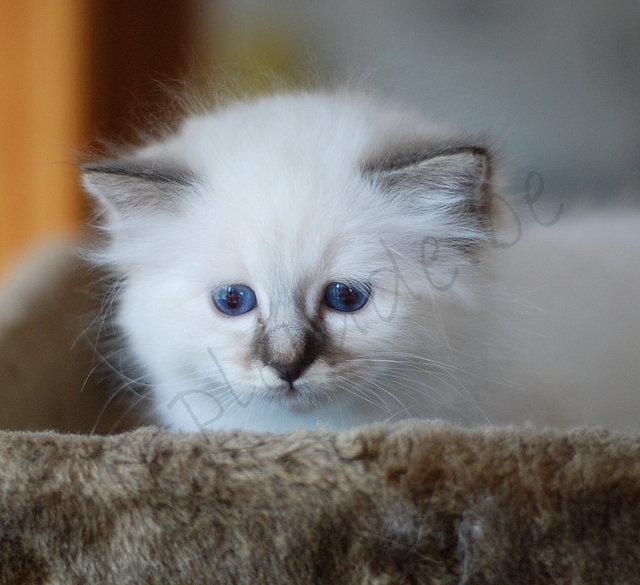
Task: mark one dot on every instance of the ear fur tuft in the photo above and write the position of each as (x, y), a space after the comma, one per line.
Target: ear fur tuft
(461, 173)
(450, 181)
(136, 187)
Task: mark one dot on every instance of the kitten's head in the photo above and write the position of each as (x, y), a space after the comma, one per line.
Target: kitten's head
(297, 249)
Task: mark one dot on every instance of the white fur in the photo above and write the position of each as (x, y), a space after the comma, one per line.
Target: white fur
(281, 204)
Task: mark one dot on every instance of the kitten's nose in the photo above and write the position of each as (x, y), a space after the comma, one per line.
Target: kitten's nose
(289, 372)
(289, 349)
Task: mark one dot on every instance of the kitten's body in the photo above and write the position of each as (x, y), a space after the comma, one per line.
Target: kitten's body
(288, 196)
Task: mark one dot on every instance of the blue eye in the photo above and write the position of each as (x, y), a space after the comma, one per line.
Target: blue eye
(235, 299)
(346, 297)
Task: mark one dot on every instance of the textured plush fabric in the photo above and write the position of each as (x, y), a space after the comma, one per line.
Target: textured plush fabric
(412, 503)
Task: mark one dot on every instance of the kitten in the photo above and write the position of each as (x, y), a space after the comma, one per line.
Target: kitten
(309, 258)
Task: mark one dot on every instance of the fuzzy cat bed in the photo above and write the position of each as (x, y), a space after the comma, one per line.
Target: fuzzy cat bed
(416, 502)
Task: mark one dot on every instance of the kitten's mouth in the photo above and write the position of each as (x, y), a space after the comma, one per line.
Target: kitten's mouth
(297, 396)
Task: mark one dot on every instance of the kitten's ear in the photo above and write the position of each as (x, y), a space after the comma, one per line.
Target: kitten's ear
(131, 188)
(448, 180)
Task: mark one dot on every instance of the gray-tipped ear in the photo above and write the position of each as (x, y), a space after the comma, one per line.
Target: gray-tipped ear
(455, 179)
(136, 187)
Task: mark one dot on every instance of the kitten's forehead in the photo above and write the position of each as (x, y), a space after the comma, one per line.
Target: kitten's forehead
(283, 195)
(286, 160)
(285, 238)
(282, 184)
(326, 126)
(283, 252)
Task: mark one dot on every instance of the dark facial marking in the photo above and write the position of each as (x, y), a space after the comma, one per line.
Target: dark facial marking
(411, 155)
(143, 171)
(291, 348)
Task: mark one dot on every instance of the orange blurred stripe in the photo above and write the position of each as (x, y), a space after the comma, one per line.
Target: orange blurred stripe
(44, 101)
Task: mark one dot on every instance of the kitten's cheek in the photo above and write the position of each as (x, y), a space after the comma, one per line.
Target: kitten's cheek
(267, 377)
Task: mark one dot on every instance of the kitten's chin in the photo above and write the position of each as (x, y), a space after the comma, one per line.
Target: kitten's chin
(298, 397)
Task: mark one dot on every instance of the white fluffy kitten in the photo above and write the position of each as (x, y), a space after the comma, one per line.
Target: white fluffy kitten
(314, 258)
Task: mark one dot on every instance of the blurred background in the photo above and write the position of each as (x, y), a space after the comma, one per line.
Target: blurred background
(557, 81)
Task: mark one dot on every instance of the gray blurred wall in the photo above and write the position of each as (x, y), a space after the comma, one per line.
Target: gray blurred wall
(557, 81)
